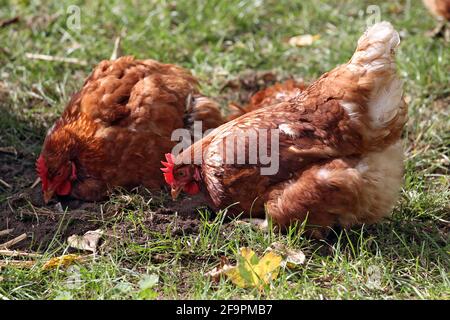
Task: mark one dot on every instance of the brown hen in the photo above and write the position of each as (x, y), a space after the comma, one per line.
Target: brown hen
(339, 160)
(116, 128)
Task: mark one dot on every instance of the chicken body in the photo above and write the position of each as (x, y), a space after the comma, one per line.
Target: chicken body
(340, 159)
(116, 128)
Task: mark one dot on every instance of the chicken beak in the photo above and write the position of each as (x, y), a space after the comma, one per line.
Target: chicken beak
(48, 195)
(175, 192)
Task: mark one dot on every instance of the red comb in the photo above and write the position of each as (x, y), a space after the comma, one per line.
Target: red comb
(168, 168)
(41, 169)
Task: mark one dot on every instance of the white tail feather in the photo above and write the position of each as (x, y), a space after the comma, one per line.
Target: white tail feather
(374, 60)
(376, 47)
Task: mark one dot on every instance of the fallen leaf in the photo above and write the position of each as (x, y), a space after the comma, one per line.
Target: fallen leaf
(220, 270)
(62, 261)
(291, 258)
(303, 40)
(252, 271)
(89, 241)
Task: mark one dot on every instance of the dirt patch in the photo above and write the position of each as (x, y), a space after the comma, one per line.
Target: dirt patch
(43, 225)
(45, 228)
(49, 226)
(246, 84)
(16, 169)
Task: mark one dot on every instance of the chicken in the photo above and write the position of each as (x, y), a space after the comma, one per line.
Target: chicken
(441, 10)
(268, 96)
(116, 128)
(335, 149)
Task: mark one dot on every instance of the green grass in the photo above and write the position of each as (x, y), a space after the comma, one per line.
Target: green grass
(218, 40)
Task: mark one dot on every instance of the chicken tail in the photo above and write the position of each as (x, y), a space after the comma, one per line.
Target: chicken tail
(374, 64)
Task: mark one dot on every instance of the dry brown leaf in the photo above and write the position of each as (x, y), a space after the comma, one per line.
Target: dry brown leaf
(220, 270)
(291, 258)
(303, 40)
(89, 241)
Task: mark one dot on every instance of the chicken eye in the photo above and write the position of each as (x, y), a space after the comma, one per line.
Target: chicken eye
(181, 174)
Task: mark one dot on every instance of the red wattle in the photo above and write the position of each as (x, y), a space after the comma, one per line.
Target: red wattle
(191, 188)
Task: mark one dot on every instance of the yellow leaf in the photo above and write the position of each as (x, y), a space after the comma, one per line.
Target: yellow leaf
(236, 278)
(251, 271)
(62, 261)
(269, 266)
